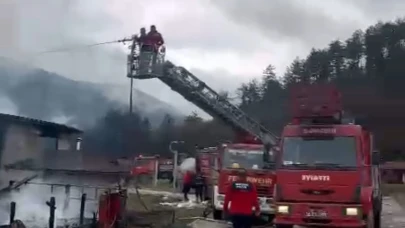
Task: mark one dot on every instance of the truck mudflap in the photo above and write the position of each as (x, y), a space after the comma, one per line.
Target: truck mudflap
(321, 215)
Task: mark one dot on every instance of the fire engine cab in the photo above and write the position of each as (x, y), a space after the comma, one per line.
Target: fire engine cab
(260, 173)
(327, 172)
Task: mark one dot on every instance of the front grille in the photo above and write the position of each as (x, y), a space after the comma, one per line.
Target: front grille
(263, 190)
(317, 221)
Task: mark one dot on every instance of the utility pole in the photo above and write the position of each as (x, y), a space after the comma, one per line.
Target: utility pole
(130, 96)
(175, 161)
(130, 69)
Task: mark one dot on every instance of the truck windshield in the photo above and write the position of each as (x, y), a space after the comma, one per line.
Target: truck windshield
(142, 162)
(248, 159)
(319, 152)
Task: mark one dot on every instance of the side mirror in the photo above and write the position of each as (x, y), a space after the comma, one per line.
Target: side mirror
(216, 165)
(375, 157)
(266, 150)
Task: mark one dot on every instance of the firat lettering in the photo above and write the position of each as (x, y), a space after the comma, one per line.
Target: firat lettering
(315, 178)
(253, 180)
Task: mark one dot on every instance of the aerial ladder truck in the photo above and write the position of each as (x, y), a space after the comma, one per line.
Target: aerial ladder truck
(254, 143)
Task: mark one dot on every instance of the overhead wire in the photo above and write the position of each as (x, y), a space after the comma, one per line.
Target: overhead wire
(30, 58)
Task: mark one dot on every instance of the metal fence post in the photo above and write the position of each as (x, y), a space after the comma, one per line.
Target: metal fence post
(82, 208)
(156, 174)
(12, 211)
(67, 197)
(175, 161)
(52, 209)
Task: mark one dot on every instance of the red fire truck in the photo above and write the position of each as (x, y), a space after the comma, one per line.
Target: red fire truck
(206, 160)
(144, 167)
(250, 157)
(327, 172)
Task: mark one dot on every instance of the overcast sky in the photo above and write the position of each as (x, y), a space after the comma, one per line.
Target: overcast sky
(224, 43)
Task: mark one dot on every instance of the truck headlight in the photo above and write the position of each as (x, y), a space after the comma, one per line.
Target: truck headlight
(220, 198)
(283, 209)
(352, 211)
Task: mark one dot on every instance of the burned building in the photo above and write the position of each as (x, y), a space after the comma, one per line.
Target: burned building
(30, 142)
(393, 172)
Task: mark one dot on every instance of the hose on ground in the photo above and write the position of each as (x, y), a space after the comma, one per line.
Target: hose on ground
(207, 211)
(138, 194)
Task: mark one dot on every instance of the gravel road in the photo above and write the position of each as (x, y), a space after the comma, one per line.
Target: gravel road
(393, 214)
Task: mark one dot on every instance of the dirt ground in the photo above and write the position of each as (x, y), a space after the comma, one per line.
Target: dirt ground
(149, 208)
(397, 191)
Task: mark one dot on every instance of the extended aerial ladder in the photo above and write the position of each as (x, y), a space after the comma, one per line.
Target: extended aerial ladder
(148, 65)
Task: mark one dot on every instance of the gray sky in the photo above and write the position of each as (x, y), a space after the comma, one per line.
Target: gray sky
(222, 42)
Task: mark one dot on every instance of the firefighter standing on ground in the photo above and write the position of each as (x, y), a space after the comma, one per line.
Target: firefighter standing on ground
(243, 197)
(187, 183)
(199, 185)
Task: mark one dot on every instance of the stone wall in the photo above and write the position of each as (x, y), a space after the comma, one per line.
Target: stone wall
(22, 143)
(64, 159)
(19, 142)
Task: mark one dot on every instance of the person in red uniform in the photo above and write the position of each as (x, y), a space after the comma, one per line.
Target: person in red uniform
(154, 37)
(242, 197)
(187, 183)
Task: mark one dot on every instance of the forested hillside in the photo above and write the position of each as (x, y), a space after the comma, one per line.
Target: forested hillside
(44, 95)
(368, 68)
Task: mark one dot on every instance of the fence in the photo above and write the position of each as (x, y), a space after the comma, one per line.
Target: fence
(51, 204)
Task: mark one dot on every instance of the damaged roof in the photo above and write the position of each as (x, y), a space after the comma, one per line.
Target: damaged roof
(393, 165)
(47, 128)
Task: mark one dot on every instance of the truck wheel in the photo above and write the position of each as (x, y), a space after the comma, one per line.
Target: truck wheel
(143, 179)
(164, 176)
(271, 218)
(283, 226)
(217, 214)
(370, 220)
(208, 193)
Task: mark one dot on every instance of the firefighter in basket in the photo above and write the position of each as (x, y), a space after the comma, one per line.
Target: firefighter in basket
(151, 46)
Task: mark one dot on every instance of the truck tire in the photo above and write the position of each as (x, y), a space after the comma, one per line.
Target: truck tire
(271, 218)
(143, 179)
(217, 214)
(163, 176)
(377, 219)
(208, 193)
(370, 220)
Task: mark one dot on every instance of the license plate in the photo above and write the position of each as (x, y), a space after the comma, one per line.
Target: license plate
(316, 213)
